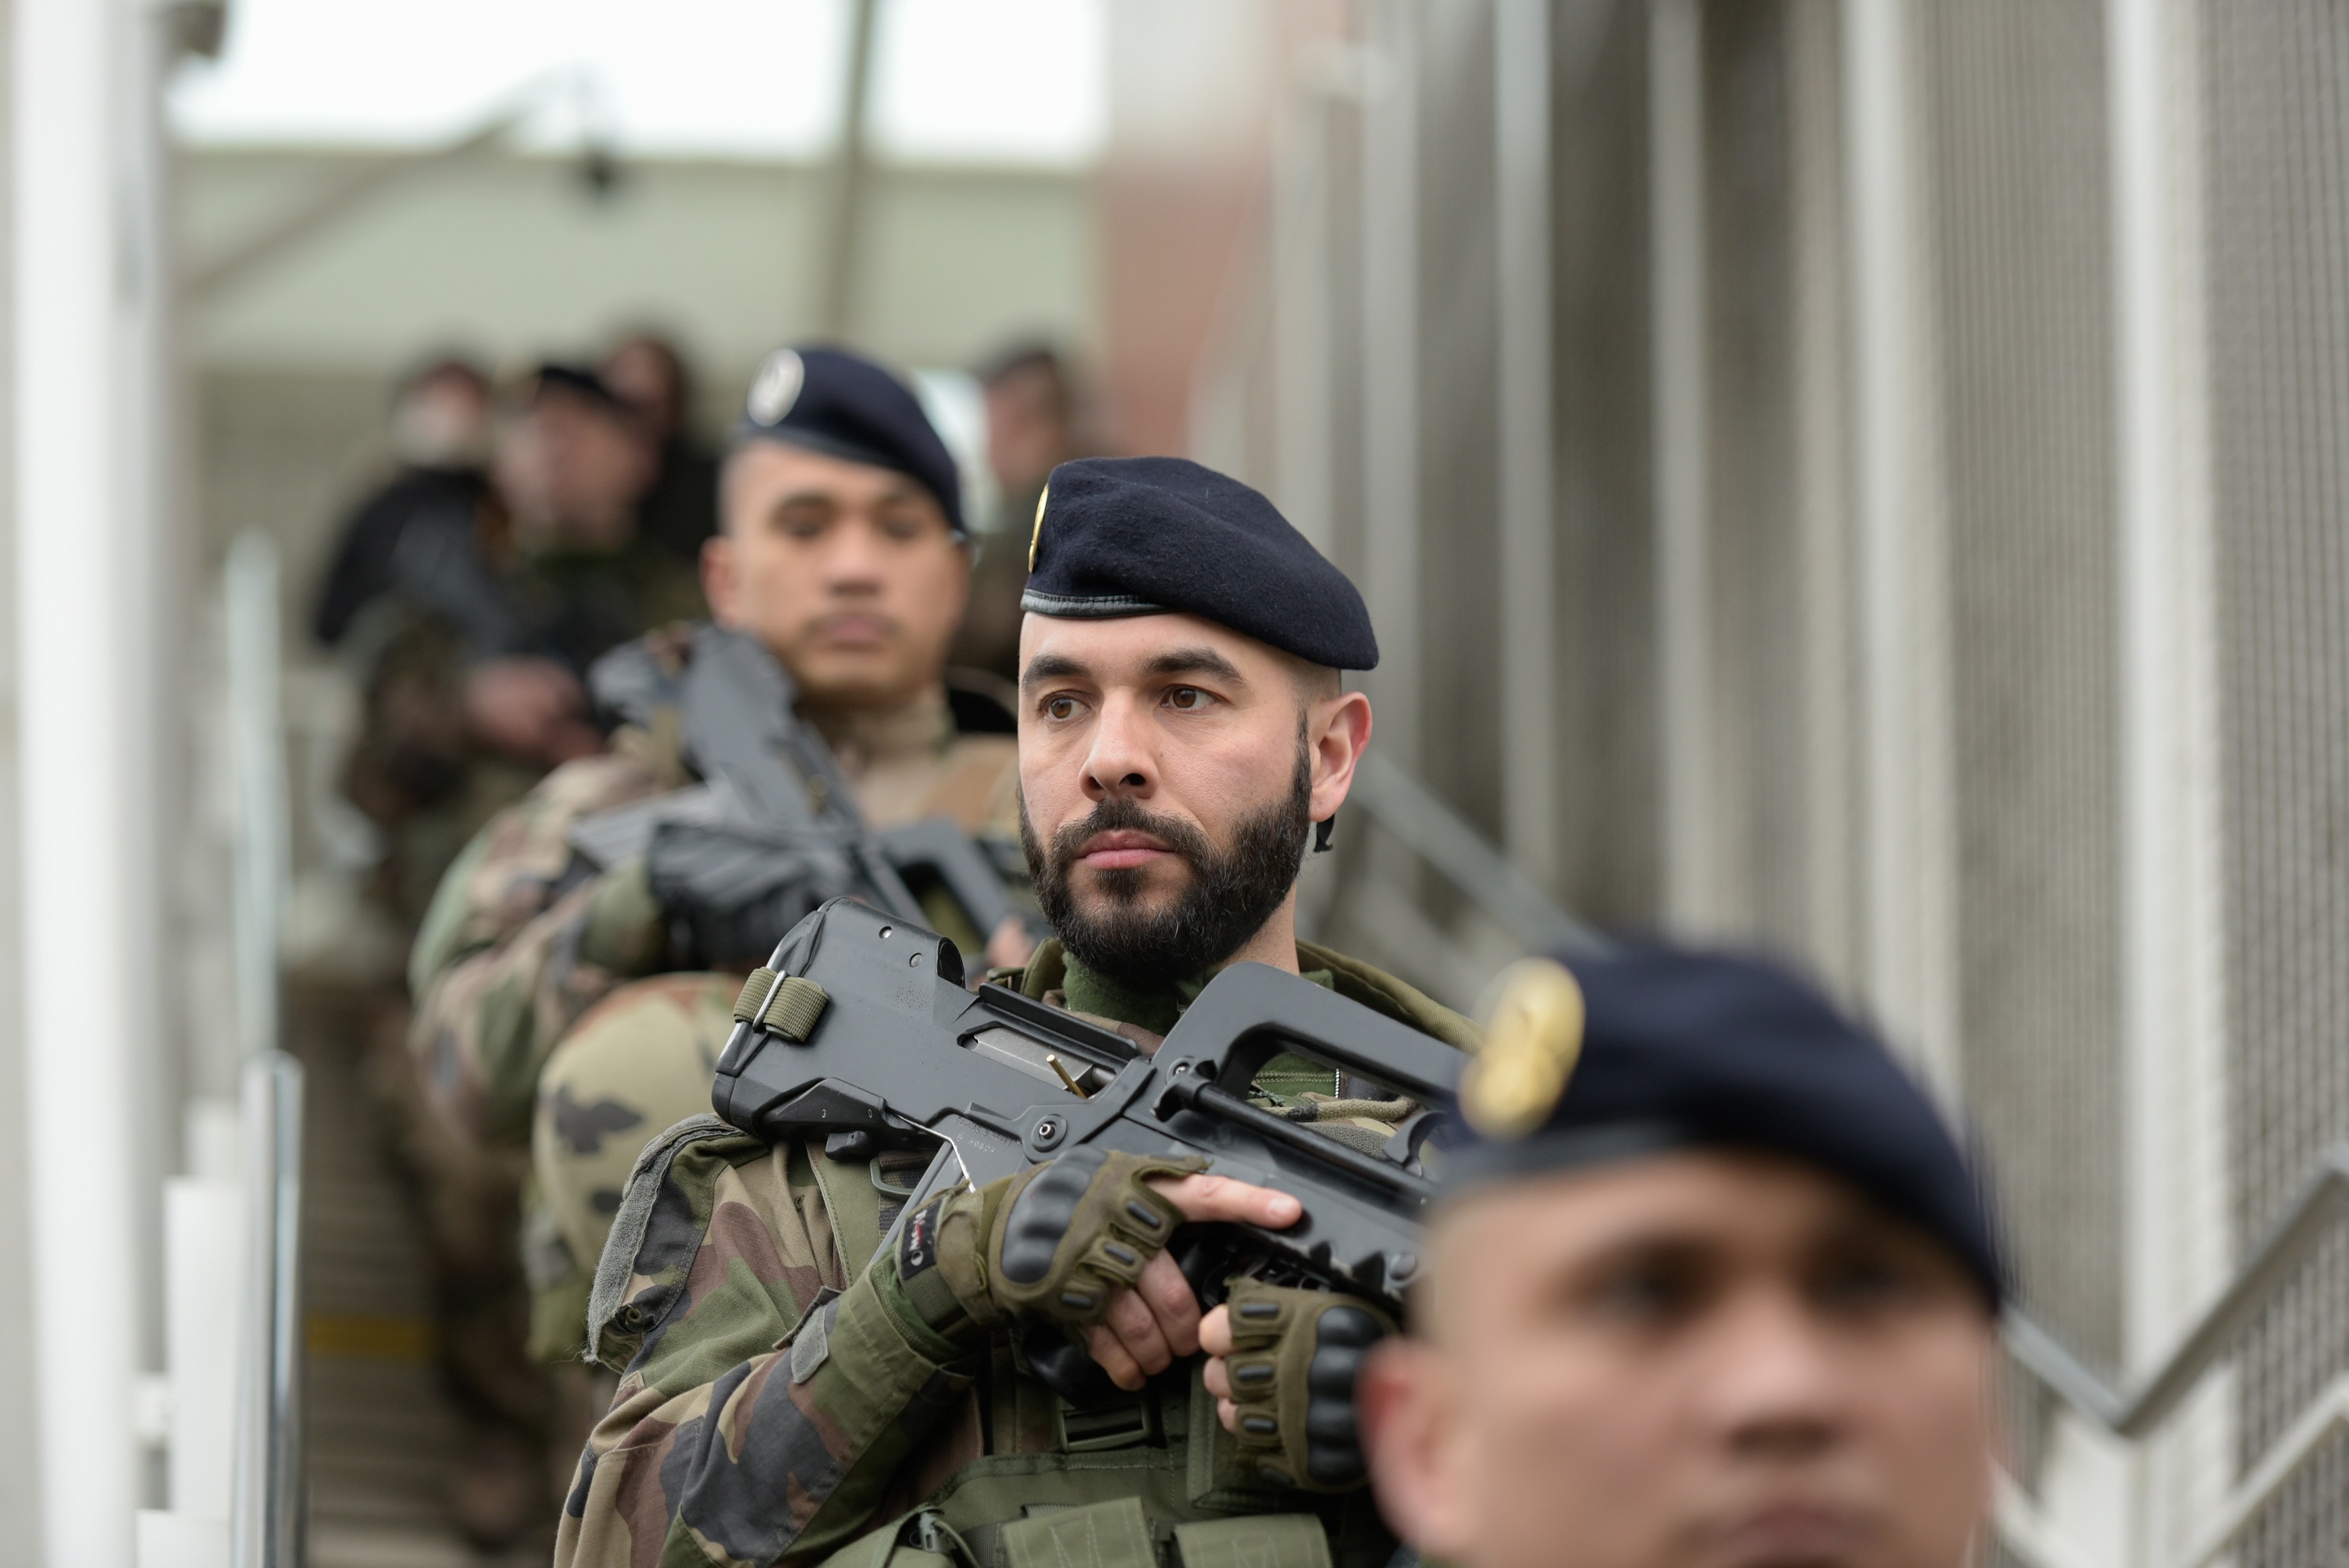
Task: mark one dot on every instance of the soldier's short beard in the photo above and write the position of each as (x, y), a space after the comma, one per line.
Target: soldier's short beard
(1231, 893)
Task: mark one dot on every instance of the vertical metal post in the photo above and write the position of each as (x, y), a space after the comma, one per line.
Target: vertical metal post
(1528, 587)
(257, 764)
(1390, 518)
(265, 1519)
(850, 175)
(1909, 871)
(1822, 504)
(82, 543)
(1301, 321)
(2179, 1233)
(265, 1525)
(1680, 440)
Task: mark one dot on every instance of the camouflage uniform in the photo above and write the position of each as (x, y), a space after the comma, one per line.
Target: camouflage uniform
(521, 942)
(779, 1400)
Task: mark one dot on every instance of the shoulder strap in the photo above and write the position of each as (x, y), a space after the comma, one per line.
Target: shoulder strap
(619, 1264)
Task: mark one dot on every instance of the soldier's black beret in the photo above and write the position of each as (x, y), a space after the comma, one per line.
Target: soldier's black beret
(1673, 1048)
(846, 406)
(578, 381)
(1137, 536)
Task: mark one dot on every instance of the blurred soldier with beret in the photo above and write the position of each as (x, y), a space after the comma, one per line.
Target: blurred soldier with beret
(842, 553)
(794, 1392)
(1710, 1284)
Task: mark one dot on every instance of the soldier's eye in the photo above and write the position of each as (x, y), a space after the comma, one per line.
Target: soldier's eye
(1188, 698)
(1062, 707)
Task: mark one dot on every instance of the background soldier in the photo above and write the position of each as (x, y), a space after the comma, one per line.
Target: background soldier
(1182, 727)
(440, 436)
(482, 622)
(1032, 427)
(680, 510)
(1728, 1298)
(845, 554)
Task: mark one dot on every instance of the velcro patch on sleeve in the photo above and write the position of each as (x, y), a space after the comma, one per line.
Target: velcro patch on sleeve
(813, 1342)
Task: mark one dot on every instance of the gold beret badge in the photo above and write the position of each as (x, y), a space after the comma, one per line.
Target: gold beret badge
(1532, 1041)
(1035, 534)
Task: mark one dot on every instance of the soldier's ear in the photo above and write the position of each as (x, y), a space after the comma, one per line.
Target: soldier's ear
(717, 577)
(1337, 732)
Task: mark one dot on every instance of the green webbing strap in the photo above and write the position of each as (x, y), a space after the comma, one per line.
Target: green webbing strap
(789, 1004)
(855, 1205)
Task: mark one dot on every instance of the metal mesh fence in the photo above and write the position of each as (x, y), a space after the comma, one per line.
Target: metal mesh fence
(2016, 193)
(2276, 197)
(2017, 149)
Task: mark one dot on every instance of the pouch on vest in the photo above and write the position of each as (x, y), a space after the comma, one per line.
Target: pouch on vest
(1256, 1540)
(1114, 1534)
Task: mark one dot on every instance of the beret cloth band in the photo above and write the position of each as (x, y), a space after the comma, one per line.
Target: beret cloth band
(1684, 1048)
(846, 406)
(1141, 536)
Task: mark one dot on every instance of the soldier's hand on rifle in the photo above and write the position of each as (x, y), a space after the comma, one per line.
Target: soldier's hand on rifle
(1283, 1367)
(1081, 1240)
(531, 710)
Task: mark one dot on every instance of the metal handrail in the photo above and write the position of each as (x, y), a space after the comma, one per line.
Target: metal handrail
(1426, 824)
(266, 1510)
(265, 1524)
(2132, 1414)
(2138, 1411)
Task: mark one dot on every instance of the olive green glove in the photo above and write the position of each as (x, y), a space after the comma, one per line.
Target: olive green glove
(1295, 1357)
(1056, 1241)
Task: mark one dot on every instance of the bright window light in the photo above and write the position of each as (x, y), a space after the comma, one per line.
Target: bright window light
(988, 81)
(991, 81)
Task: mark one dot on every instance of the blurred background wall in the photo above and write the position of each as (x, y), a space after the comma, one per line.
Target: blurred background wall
(1857, 478)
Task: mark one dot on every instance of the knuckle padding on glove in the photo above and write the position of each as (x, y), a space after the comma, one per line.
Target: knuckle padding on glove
(1075, 1230)
(1296, 1355)
(1042, 1214)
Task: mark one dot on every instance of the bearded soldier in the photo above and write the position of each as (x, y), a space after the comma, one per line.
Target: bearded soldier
(842, 553)
(791, 1391)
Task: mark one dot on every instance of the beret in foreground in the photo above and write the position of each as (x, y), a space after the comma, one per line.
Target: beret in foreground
(1644, 1049)
(1141, 536)
(846, 406)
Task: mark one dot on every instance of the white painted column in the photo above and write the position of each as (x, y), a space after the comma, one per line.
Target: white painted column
(85, 292)
(1681, 443)
(1908, 877)
(1528, 587)
(2180, 1231)
(1390, 521)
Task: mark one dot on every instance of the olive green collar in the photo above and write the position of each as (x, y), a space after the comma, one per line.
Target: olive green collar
(1156, 1009)
(1051, 969)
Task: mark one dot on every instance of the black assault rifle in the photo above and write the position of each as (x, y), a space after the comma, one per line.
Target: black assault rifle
(772, 830)
(861, 1033)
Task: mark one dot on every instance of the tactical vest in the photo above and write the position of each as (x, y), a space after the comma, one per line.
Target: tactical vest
(1148, 1480)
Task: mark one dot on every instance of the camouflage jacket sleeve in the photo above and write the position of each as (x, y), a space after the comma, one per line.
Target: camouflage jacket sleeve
(519, 941)
(769, 1400)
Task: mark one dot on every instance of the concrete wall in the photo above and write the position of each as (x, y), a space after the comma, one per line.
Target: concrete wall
(516, 256)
